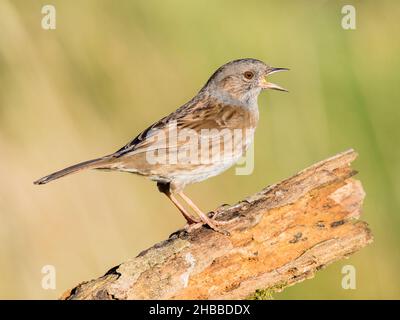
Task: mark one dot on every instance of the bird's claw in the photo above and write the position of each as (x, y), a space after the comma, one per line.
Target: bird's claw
(214, 226)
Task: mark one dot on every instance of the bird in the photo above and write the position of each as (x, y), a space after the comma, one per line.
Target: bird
(225, 108)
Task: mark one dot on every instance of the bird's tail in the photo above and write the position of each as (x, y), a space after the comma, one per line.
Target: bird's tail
(99, 163)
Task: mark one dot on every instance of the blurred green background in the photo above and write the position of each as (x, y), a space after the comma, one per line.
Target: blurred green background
(111, 68)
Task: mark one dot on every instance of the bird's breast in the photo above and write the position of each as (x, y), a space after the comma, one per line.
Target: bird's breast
(237, 117)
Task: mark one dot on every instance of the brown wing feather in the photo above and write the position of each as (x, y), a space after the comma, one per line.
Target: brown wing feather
(197, 117)
(215, 116)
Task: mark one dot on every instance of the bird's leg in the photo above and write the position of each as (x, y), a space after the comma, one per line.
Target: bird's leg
(187, 216)
(210, 222)
(164, 188)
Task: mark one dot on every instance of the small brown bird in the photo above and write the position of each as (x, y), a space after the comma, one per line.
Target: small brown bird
(201, 139)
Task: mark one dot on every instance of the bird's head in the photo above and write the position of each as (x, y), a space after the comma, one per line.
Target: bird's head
(242, 79)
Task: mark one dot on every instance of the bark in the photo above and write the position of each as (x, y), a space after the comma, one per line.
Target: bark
(278, 237)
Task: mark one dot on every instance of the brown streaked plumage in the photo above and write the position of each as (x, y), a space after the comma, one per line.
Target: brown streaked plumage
(225, 108)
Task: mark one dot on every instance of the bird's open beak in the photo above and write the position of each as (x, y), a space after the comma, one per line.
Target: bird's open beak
(269, 85)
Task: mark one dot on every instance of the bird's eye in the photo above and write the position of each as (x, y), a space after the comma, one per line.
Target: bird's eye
(248, 75)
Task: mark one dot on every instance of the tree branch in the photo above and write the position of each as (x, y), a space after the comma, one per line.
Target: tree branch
(279, 237)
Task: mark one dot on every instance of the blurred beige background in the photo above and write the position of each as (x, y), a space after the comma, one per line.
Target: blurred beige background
(111, 68)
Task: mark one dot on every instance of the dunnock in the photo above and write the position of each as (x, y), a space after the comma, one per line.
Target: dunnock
(224, 114)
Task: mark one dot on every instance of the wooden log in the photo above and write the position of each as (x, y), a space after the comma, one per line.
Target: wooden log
(278, 237)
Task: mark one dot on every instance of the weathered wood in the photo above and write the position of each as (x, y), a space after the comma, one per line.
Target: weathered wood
(279, 236)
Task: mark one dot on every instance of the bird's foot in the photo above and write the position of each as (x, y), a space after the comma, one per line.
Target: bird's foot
(221, 222)
(217, 229)
(215, 225)
(189, 227)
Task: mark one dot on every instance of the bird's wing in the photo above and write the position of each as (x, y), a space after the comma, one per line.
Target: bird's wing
(194, 118)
